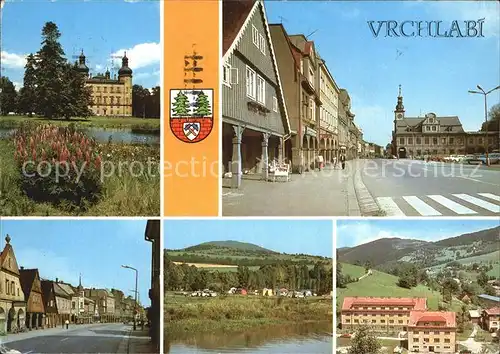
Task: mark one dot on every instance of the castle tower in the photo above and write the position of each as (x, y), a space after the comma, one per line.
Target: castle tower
(82, 66)
(125, 76)
(399, 114)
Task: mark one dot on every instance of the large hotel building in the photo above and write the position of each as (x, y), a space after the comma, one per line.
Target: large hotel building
(407, 317)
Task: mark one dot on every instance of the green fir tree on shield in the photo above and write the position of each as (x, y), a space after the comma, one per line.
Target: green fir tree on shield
(181, 105)
(202, 106)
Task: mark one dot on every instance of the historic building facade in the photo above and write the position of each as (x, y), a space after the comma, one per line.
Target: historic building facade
(328, 113)
(348, 132)
(434, 135)
(32, 288)
(50, 304)
(104, 302)
(432, 332)
(255, 120)
(63, 302)
(12, 300)
(490, 319)
(111, 96)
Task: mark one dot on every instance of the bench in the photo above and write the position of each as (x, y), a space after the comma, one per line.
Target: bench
(277, 172)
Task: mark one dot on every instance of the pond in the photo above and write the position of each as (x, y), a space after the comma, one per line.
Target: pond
(305, 338)
(103, 135)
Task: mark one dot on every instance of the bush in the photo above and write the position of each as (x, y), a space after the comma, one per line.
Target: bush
(58, 165)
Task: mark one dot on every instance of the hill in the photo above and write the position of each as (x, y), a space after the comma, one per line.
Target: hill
(385, 285)
(388, 252)
(244, 246)
(234, 253)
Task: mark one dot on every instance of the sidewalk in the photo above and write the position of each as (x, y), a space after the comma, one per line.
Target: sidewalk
(329, 192)
(137, 342)
(45, 332)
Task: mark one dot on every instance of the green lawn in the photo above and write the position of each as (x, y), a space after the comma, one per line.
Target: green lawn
(101, 122)
(353, 271)
(385, 285)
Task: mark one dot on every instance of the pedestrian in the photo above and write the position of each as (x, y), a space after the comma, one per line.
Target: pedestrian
(335, 162)
(67, 324)
(342, 161)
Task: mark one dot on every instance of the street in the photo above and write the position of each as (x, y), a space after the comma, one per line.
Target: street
(97, 338)
(378, 187)
(417, 188)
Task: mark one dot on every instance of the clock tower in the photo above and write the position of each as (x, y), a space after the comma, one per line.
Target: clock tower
(399, 114)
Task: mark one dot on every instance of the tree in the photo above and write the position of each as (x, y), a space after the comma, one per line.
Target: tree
(202, 105)
(181, 105)
(27, 94)
(493, 119)
(49, 73)
(364, 342)
(76, 97)
(368, 266)
(8, 96)
(482, 278)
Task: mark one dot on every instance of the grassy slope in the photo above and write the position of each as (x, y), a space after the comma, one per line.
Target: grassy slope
(104, 122)
(485, 258)
(352, 270)
(383, 284)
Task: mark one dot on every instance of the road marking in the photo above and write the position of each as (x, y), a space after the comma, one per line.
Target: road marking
(477, 180)
(450, 204)
(389, 206)
(490, 196)
(479, 202)
(62, 340)
(31, 351)
(421, 207)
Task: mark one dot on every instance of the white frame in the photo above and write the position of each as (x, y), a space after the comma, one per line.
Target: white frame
(260, 86)
(262, 44)
(275, 104)
(253, 76)
(226, 69)
(255, 36)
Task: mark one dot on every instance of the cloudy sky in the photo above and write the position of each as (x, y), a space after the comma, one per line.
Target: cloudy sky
(314, 237)
(103, 29)
(356, 232)
(435, 73)
(96, 249)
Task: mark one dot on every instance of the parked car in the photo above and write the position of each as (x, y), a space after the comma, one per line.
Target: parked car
(494, 159)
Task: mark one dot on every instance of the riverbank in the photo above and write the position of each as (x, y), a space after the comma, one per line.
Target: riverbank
(132, 190)
(137, 125)
(187, 315)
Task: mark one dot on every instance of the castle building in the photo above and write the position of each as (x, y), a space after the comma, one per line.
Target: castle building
(110, 96)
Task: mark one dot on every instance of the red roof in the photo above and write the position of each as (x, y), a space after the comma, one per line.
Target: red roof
(416, 303)
(418, 317)
(494, 311)
(234, 14)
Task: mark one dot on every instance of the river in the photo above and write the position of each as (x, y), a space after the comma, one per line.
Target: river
(305, 338)
(104, 135)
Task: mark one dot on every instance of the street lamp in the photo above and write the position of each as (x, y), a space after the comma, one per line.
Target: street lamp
(135, 303)
(484, 93)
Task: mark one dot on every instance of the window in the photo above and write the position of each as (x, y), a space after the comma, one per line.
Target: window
(117, 100)
(443, 140)
(111, 89)
(105, 89)
(112, 100)
(402, 141)
(452, 141)
(226, 74)
(7, 287)
(312, 109)
(434, 128)
(480, 140)
(410, 141)
(262, 44)
(435, 141)
(250, 83)
(275, 104)
(301, 66)
(427, 141)
(311, 76)
(261, 90)
(419, 141)
(427, 128)
(255, 36)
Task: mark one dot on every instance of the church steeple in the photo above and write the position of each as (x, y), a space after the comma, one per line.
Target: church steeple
(399, 106)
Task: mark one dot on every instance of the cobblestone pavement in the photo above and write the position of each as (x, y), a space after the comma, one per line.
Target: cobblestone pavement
(329, 192)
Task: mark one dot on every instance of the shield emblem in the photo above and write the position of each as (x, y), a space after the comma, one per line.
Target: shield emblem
(191, 114)
(191, 130)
